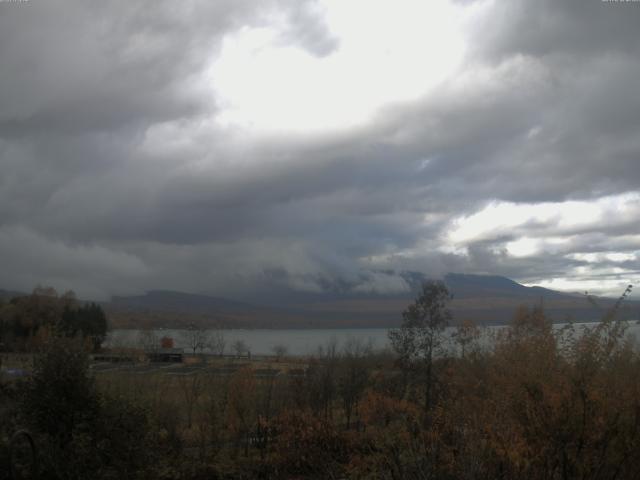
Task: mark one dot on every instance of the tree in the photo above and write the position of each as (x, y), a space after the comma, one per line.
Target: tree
(28, 313)
(420, 336)
(321, 379)
(279, 351)
(31, 319)
(211, 428)
(81, 432)
(93, 323)
(354, 376)
(192, 387)
(196, 338)
(465, 335)
(148, 340)
(241, 409)
(240, 347)
(60, 393)
(217, 342)
(88, 320)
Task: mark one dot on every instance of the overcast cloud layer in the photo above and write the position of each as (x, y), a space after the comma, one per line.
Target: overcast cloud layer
(234, 146)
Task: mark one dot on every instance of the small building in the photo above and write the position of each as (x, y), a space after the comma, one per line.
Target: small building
(166, 355)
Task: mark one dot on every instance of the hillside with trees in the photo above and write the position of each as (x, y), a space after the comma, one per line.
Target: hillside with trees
(535, 402)
(29, 321)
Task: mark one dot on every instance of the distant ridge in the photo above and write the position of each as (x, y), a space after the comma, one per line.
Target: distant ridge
(171, 301)
(486, 299)
(463, 285)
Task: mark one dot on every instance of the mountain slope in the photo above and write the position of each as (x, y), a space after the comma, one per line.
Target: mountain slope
(170, 301)
(486, 299)
(474, 286)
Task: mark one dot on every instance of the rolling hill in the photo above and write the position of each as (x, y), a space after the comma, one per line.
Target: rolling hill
(486, 299)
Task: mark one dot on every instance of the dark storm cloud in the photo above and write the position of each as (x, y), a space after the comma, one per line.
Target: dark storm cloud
(549, 28)
(116, 173)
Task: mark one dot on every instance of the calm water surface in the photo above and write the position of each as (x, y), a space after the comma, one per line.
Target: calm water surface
(297, 341)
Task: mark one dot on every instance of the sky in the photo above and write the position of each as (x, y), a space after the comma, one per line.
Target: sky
(236, 147)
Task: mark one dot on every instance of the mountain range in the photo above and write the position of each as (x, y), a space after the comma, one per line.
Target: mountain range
(485, 299)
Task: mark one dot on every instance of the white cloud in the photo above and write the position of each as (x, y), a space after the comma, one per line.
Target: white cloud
(523, 247)
(505, 218)
(387, 52)
(211, 146)
(612, 285)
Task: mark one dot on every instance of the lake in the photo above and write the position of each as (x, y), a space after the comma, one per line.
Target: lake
(297, 341)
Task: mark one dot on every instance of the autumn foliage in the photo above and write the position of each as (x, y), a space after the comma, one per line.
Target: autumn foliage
(531, 400)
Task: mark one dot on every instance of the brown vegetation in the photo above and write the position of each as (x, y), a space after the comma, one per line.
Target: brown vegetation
(536, 403)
